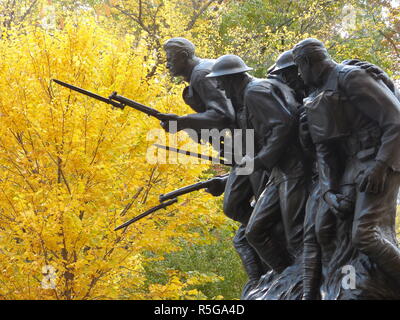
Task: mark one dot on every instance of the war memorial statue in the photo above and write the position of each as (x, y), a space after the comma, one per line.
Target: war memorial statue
(326, 135)
(353, 121)
(214, 110)
(317, 210)
(271, 111)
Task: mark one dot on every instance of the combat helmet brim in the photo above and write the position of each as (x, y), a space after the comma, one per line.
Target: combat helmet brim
(227, 65)
(225, 73)
(284, 61)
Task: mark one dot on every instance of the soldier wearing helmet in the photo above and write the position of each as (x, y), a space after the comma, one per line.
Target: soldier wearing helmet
(287, 70)
(269, 107)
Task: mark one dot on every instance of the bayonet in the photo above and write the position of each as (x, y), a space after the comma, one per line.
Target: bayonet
(119, 101)
(194, 154)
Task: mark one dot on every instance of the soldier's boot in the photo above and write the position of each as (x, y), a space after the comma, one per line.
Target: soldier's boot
(252, 263)
(271, 252)
(383, 252)
(311, 272)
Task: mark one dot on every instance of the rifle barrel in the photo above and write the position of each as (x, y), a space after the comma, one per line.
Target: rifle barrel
(135, 105)
(182, 191)
(89, 94)
(194, 154)
(144, 214)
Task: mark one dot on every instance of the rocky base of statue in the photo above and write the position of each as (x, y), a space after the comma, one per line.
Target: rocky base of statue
(287, 285)
(351, 275)
(347, 274)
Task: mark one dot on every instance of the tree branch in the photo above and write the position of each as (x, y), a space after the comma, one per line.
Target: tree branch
(28, 10)
(198, 14)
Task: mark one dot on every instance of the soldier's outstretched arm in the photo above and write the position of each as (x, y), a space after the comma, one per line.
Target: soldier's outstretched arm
(212, 96)
(210, 119)
(217, 110)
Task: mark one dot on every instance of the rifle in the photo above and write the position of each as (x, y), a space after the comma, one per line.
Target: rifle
(144, 214)
(119, 101)
(172, 198)
(194, 154)
(193, 187)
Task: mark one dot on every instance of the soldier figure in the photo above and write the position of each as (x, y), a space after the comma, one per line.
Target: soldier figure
(354, 122)
(215, 111)
(287, 69)
(312, 255)
(270, 108)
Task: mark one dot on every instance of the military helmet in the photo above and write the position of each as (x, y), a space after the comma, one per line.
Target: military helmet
(271, 68)
(284, 61)
(228, 64)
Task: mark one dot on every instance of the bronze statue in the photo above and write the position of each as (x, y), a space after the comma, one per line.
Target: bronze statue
(287, 70)
(338, 250)
(354, 122)
(215, 111)
(325, 176)
(312, 255)
(271, 109)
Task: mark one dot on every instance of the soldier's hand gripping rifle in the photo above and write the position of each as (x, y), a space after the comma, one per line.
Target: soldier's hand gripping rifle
(120, 102)
(171, 197)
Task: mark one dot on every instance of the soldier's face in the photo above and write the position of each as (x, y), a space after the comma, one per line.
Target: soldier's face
(224, 83)
(292, 78)
(305, 71)
(176, 62)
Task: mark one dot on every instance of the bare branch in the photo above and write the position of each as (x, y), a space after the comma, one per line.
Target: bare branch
(196, 16)
(129, 205)
(134, 18)
(28, 11)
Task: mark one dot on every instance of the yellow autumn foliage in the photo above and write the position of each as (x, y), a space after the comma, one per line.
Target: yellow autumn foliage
(69, 165)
